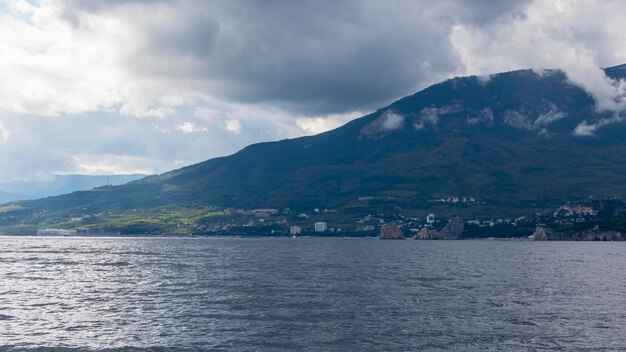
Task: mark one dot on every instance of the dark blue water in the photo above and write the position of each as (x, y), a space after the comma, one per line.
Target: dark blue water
(310, 295)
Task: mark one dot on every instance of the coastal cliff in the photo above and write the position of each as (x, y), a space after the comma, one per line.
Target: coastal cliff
(452, 231)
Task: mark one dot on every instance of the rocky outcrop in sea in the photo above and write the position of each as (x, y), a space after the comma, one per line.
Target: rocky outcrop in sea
(453, 229)
(391, 231)
(426, 234)
(543, 234)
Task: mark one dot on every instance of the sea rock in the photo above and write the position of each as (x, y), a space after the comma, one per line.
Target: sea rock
(426, 234)
(453, 229)
(543, 234)
(391, 231)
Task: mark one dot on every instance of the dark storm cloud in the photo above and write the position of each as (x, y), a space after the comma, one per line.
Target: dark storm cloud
(306, 56)
(122, 86)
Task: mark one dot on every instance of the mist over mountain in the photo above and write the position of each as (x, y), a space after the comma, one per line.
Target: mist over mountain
(510, 139)
(59, 184)
(6, 197)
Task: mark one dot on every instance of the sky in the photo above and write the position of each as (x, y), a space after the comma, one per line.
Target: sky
(116, 87)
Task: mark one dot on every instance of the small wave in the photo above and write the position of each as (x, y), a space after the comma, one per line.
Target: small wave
(522, 322)
(36, 278)
(59, 262)
(112, 264)
(138, 253)
(89, 349)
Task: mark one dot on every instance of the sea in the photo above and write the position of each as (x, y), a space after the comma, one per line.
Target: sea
(310, 294)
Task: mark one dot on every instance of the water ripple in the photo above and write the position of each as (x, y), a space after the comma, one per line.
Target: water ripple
(158, 294)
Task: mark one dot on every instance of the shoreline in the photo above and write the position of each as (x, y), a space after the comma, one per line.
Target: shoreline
(144, 236)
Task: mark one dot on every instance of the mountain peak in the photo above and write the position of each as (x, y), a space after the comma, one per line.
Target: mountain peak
(541, 102)
(621, 67)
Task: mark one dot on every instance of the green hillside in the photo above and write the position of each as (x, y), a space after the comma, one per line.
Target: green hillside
(508, 142)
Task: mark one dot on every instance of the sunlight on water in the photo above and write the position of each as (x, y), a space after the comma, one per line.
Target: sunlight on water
(310, 294)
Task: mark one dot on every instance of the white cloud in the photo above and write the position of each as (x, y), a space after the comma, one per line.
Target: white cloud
(484, 79)
(383, 125)
(233, 126)
(103, 55)
(145, 111)
(576, 36)
(586, 128)
(315, 125)
(208, 114)
(99, 164)
(47, 68)
(74, 74)
(391, 120)
(549, 117)
(4, 133)
(190, 127)
(109, 143)
(430, 115)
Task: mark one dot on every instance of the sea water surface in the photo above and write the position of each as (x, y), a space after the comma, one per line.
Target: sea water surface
(310, 294)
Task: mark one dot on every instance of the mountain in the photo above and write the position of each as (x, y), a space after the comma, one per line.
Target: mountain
(6, 197)
(59, 184)
(517, 139)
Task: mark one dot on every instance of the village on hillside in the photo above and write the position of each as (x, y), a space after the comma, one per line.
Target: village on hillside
(568, 221)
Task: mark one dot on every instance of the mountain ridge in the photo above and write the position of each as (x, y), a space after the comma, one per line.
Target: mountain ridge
(59, 185)
(509, 139)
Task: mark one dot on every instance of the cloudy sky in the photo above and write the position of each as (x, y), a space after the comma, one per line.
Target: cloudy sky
(111, 87)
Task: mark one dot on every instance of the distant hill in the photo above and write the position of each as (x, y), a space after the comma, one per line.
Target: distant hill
(59, 184)
(508, 140)
(6, 197)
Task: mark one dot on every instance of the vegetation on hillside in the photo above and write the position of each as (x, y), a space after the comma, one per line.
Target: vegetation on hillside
(509, 143)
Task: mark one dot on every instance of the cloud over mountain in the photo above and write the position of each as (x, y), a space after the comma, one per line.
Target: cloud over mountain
(138, 77)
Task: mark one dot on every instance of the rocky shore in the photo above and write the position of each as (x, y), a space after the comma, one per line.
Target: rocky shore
(452, 231)
(596, 234)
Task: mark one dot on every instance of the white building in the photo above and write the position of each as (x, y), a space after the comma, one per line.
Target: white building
(430, 219)
(295, 230)
(321, 226)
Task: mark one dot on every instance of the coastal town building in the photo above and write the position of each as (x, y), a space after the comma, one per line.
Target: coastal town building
(295, 230)
(456, 199)
(569, 214)
(321, 226)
